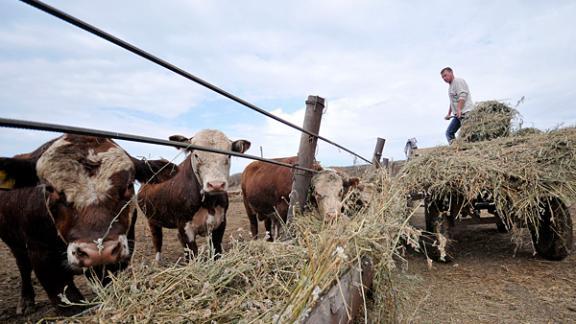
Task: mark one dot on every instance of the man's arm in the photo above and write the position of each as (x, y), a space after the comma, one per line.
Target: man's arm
(459, 108)
(462, 91)
(448, 114)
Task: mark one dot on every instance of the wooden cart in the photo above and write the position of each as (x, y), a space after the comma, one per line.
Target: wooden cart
(552, 235)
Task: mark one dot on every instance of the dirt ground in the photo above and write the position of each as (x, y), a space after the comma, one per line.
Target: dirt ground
(487, 283)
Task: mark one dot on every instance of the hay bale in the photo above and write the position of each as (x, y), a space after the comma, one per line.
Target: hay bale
(257, 281)
(527, 131)
(519, 171)
(488, 120)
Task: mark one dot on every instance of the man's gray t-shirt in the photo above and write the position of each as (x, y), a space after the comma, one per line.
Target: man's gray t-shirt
(457, 90)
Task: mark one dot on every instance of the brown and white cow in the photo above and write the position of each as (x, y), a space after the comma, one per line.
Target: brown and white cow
(195, 200)
(69, 209)
(359, 195)
(266, 188)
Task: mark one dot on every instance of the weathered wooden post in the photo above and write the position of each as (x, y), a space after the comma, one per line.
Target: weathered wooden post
(378, 152)
(385, 163)
(343, 302)
(312, 118)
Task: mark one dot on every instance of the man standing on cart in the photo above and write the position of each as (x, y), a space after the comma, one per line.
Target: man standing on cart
(460, 102)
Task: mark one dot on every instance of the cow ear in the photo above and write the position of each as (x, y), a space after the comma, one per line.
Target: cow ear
(154, 171)
(6, 183)
(17, 173)
(52, 195)
(240, 146)
(179, 138)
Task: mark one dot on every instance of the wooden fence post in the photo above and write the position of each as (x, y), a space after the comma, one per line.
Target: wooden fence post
(312, 118)
(385, 163)
(378, 152)
(343, 302)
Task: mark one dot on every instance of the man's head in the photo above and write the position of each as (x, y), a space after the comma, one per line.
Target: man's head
(447, 74)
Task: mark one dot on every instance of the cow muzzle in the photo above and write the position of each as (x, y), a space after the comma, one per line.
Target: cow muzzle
(331, 216)
(215, 186)
(90, 254)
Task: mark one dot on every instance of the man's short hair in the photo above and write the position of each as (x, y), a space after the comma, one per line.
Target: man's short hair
(449, 69)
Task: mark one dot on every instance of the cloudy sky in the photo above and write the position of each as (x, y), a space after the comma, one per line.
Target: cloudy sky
(377, 64)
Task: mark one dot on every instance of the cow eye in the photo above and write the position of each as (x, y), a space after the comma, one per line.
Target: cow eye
(127, 193)
(198, 159)
(63, 201)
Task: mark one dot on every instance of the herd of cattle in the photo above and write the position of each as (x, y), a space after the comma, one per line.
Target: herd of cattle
(70, 205)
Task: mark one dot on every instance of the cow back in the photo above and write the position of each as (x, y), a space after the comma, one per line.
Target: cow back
(174, 201)
(265, 185)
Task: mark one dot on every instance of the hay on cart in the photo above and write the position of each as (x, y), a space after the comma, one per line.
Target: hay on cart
(521, 172)
(486, 121)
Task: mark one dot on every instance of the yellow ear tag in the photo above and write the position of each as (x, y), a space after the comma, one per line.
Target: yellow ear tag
(5, 182)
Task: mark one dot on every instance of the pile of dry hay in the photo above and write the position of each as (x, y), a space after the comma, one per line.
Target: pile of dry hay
(519, 171)
(488, 120)
(257, 281)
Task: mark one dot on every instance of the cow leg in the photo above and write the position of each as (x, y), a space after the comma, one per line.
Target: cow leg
(26, 301)
(56, 279)
(253, 225)
(278, 220)
(253, 220)
(217, 236)
(131, 235)
(189, 244)
(268, 226)
(156, 232)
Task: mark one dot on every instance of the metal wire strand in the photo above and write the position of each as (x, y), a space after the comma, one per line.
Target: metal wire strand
(23, 124)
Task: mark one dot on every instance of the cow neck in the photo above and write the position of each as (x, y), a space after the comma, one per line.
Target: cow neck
(189, 174)
(46, 200)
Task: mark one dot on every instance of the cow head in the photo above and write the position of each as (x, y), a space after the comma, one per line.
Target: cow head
(212, 169)
(89, 186)
(328, 188)
(358, 198)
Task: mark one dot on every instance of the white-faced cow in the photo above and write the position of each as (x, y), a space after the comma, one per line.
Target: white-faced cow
(266, 188)
(68, 209)
(195, 200)
(360, 194)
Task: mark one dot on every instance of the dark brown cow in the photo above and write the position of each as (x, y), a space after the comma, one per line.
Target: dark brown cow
(266, 188)
(195, 200)
(69, 209)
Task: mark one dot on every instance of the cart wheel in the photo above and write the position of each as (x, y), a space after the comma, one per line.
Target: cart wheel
(553, 237)
(437, 242)
(502, 225)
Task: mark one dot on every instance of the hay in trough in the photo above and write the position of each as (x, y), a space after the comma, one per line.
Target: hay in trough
(488, 120)
(519, 171)
(263, 282)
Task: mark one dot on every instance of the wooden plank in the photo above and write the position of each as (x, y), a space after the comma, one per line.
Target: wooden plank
(344, 301)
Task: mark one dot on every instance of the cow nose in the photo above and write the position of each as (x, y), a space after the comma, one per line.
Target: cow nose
(92, 254)
(216, 186)
(332, 215)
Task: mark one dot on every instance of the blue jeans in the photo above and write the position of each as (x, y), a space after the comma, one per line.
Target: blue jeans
(453, 127)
